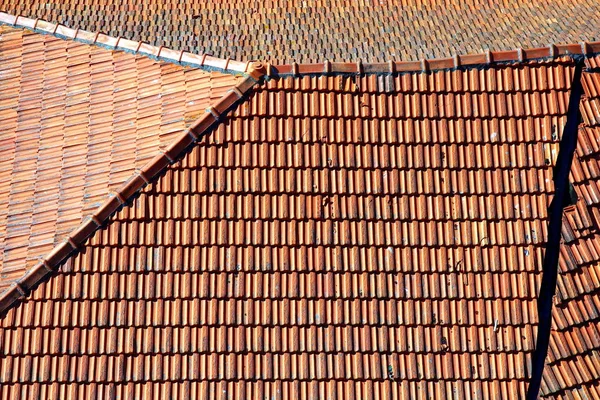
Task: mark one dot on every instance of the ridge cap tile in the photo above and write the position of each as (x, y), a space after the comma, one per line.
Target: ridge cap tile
(425, 65)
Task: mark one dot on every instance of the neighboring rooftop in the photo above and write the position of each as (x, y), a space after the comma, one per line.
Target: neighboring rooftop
(314, 31)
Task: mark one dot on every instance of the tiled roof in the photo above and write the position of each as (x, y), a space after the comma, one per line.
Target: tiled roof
(354, 235)
(75, 122)
(339, 30)
(358, 232)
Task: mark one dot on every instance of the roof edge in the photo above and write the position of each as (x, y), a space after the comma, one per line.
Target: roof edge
(554, 51)
(184, 58)
(146, 175)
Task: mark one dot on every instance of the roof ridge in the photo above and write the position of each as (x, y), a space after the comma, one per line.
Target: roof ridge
(203, 61)
(147, 174)
(520, 55)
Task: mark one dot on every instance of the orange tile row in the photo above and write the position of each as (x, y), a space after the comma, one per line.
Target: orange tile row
(349, 163)
(393, 131)
(303, 367)
(387, 209)
(310, 234)
(329, 291)
(408, 105)
(348, 341)
(312, 258)
(259, 389)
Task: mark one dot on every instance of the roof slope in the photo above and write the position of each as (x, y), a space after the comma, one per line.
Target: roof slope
(75, 122)
(339, 30)
(366, 236)
(360, 236)
(574, 355)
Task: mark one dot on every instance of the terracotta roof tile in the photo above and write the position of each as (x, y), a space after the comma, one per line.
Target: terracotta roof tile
(340, 30)
(76, 121)
(333, 235)
(365, 236)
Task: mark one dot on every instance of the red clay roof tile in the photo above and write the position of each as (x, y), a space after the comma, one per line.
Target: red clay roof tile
(332, 235)
(347, 221)
(340, 30)
(78, 120)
